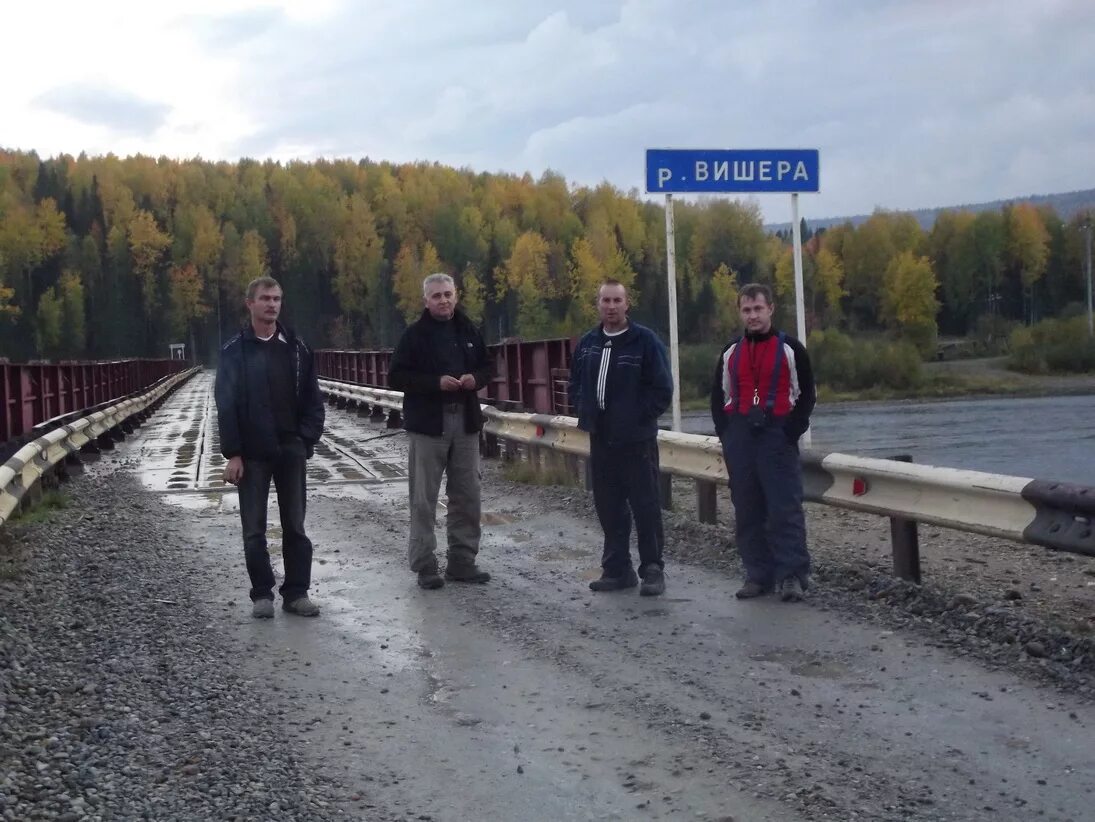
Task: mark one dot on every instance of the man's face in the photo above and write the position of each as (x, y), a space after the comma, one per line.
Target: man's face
(612, 305)
(756, 314)
(440, 300)
(265, 306)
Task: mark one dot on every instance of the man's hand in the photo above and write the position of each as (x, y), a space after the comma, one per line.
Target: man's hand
(467, 382)
(450, 383)
(233, 472)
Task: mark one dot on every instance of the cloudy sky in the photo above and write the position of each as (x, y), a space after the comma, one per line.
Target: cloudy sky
(912, 103)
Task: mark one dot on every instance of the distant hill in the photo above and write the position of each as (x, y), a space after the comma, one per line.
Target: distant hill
(1065, 205)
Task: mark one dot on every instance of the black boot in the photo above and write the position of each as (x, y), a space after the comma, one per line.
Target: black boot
(606, 583)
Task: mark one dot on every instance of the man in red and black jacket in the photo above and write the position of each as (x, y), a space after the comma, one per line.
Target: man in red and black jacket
(761, 399)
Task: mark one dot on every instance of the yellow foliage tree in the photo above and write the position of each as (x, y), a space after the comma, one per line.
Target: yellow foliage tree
(1028, 242)
(724, 285)
(473, 295)
(586, 276)
(47, 329)
(909, 303)
(146, 248)
(785, 275)
(358, 256)
(527, 265)
(185, 287)
(70, 291)
(411, 268)
(829, 282)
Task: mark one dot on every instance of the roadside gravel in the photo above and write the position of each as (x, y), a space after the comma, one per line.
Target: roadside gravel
(119, 699)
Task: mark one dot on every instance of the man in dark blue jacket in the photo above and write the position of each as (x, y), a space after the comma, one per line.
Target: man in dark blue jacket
(270, 413)
(619, 385)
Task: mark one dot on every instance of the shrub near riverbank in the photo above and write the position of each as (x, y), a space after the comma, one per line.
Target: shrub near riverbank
(1053, 346)
(846, 364)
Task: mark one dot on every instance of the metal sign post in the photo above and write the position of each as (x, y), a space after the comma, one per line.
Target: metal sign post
(674, 346)
(800, 307)
(716, 171)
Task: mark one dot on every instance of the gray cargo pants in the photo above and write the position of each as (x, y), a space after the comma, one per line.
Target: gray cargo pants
(455, 454)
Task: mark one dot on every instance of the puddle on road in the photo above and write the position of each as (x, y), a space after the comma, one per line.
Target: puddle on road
(177, 453)
(802, 663)
(562, 554)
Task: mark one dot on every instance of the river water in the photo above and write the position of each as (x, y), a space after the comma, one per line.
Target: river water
(1049, 438)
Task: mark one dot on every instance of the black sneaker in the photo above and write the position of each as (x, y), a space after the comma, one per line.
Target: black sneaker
(791, 590)
(653, 582)
(430, 579)
(628, 580)
(472, 574)
(752, 589)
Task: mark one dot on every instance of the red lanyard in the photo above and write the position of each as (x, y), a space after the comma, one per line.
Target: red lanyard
(754, 366)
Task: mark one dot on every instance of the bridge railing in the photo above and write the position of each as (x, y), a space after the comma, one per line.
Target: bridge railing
(1051, 514)
(52, 454)
(32, 394)
(525, 373)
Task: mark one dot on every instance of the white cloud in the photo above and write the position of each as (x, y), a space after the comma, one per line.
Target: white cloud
(911, 104)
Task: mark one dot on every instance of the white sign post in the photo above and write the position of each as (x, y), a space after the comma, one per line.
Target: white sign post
(674, 346)
(800, 307)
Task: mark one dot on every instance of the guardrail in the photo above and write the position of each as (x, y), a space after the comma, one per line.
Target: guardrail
(31, 394)
(528, 375)
(1051, 514)
(56, 451)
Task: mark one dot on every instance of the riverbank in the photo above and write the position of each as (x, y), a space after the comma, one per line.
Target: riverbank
(944, 381)
(958, 379)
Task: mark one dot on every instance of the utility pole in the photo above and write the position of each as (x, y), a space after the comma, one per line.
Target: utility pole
(1090, 322)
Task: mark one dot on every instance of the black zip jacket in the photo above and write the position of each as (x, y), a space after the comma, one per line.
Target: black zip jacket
(416, 370)
(248, 427)
(639, 384)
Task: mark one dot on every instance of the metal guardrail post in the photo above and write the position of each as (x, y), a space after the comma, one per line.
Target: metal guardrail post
(905, 542)
(665, 491)
(707, 501)
(490, 448)
(572, 464)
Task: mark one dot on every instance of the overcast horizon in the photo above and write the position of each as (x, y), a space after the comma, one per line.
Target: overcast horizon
(911, 104)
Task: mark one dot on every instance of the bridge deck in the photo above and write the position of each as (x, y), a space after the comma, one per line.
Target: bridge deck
(531, 698)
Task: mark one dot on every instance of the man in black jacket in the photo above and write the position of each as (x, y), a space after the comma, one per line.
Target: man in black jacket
(439, 365)
(620, 384)
(270, 414)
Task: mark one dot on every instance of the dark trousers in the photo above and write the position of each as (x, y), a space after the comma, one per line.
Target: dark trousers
(288, 474)
(766, 488)
(625, 485)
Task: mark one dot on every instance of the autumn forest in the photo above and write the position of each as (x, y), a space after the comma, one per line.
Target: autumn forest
(103, 257)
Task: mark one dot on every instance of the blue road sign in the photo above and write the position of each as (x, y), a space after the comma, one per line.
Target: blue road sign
(715, 171)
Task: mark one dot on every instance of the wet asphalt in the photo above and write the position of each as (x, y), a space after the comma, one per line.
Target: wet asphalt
(531, 698)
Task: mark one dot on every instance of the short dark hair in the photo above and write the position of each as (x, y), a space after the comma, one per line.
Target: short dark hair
(610, 281)
(754, 290)
(261, 282)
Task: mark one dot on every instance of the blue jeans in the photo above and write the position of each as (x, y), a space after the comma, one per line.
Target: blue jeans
(288, 474)
(766, 488)
(625, 485)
